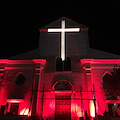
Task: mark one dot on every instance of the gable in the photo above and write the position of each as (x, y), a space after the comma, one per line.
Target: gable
(69, 23)
(76, 43)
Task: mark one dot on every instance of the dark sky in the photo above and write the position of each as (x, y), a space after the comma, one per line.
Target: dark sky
(20, 23)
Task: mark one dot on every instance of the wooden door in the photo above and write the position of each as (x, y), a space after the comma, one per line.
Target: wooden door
(62, 107)
(14, 108)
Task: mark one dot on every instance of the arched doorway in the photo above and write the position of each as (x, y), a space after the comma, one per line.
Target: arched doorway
(63, 90)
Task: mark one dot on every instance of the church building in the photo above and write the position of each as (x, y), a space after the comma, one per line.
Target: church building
(60, 80)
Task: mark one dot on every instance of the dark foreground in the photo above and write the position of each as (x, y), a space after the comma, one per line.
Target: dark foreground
(20, 117)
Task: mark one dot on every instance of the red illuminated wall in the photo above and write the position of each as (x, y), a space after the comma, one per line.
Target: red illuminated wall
(88, 72)
(46, 95)
(95, 72)
(13, 93)
(91, 72)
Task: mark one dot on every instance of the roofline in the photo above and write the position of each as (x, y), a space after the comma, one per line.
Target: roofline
(64, 18)
(101, 61)
(7, 61)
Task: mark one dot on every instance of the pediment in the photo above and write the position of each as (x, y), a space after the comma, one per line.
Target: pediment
(69, 23)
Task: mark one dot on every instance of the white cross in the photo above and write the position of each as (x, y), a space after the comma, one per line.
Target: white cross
(63, 30)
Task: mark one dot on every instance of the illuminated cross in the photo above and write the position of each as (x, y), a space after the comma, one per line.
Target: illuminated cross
(62, 30)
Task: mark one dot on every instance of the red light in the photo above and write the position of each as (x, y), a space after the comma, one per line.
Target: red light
(101, 61)
(41, 61)
(14, 100)
(92, 109)
(25, 112)
(76, 110)
(43, 30)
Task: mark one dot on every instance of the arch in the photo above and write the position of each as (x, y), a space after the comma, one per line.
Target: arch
(19, 79)
(107, 74)
(62, 80)
(62, 76)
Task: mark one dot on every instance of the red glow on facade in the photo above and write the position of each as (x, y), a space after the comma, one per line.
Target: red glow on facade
(97, 68)
(25, 112)
(76, 111)
(9, 92)
(83, 29)
(92, 109)
(43, 30)
(24, 108)
(51, 105)
(49, 108)
(41, 61)
(101, 61)
(54, 91)
(14, 100)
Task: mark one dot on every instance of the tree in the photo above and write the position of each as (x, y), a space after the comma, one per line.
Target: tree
(111, 82)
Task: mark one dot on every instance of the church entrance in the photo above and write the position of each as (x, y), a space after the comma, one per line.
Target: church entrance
(63, 107)
(63, 90)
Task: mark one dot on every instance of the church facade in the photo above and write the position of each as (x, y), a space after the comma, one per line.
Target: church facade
(62, 79)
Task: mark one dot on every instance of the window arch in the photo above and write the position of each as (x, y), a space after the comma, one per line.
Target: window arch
(19, 79)
(106, 86)
(62, 85)
(107, 74)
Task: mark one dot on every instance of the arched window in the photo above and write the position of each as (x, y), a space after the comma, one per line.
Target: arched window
(63, 85)
(19, 79)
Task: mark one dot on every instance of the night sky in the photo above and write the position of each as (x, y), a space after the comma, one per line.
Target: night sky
(20, 23)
